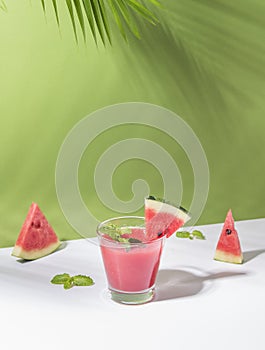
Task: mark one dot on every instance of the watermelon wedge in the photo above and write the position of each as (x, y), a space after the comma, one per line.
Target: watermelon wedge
(228, 248)
(163, 219)
(36, 238)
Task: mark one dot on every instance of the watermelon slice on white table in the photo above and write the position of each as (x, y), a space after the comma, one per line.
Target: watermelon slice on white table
(228, 248)
(162, 218)
(36, 238)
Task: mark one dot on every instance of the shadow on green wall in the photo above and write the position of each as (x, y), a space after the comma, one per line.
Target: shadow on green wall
(205, 62)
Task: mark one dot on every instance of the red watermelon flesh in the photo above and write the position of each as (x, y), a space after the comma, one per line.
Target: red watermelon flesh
(36, 238)
(137, 233)
(228, 248)
(163, 219)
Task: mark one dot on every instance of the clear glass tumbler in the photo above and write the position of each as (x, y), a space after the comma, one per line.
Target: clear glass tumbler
(131, 262)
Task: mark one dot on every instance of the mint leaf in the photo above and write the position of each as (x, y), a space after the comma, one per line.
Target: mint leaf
(191, 235)
(68, 284)
(114, 235)
(115, 232)
(60, 279)
(82, 280)
(124, 230)
(198, 234)
(182, 234)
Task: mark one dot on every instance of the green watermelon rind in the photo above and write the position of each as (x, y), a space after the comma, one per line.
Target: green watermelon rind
(228, 257)
(34, 254)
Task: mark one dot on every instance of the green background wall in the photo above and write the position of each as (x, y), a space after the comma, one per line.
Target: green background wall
(205, 62)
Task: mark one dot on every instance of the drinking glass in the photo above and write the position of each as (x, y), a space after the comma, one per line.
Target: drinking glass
(131, 261)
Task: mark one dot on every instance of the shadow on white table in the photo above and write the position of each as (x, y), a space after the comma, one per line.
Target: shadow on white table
(173, 284)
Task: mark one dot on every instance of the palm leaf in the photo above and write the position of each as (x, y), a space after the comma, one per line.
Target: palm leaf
(128, 18)
(54, 7)
(79, 12)
(96, 14)
(55, 10)
(121, 12)
(71, 12)
(90, 18)
(113, 6)
(142, 10)
(3, 5)
(43, 5)
(156, 3)
(104, 18)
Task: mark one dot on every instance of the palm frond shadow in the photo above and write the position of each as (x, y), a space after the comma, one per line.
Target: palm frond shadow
(212, 71)
(189, 84)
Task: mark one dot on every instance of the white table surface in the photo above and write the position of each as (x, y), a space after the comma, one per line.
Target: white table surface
(200, 303)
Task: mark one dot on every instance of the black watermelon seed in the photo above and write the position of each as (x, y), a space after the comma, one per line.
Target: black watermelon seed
(36, 224)
(152, 197)
(228, 231)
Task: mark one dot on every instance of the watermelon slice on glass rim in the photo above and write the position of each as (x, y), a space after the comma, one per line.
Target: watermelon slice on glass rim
(163, 218)
(36, 238)
(228, 248)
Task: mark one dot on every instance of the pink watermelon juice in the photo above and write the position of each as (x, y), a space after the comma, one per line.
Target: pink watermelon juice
(131, 262)
(133, 267)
